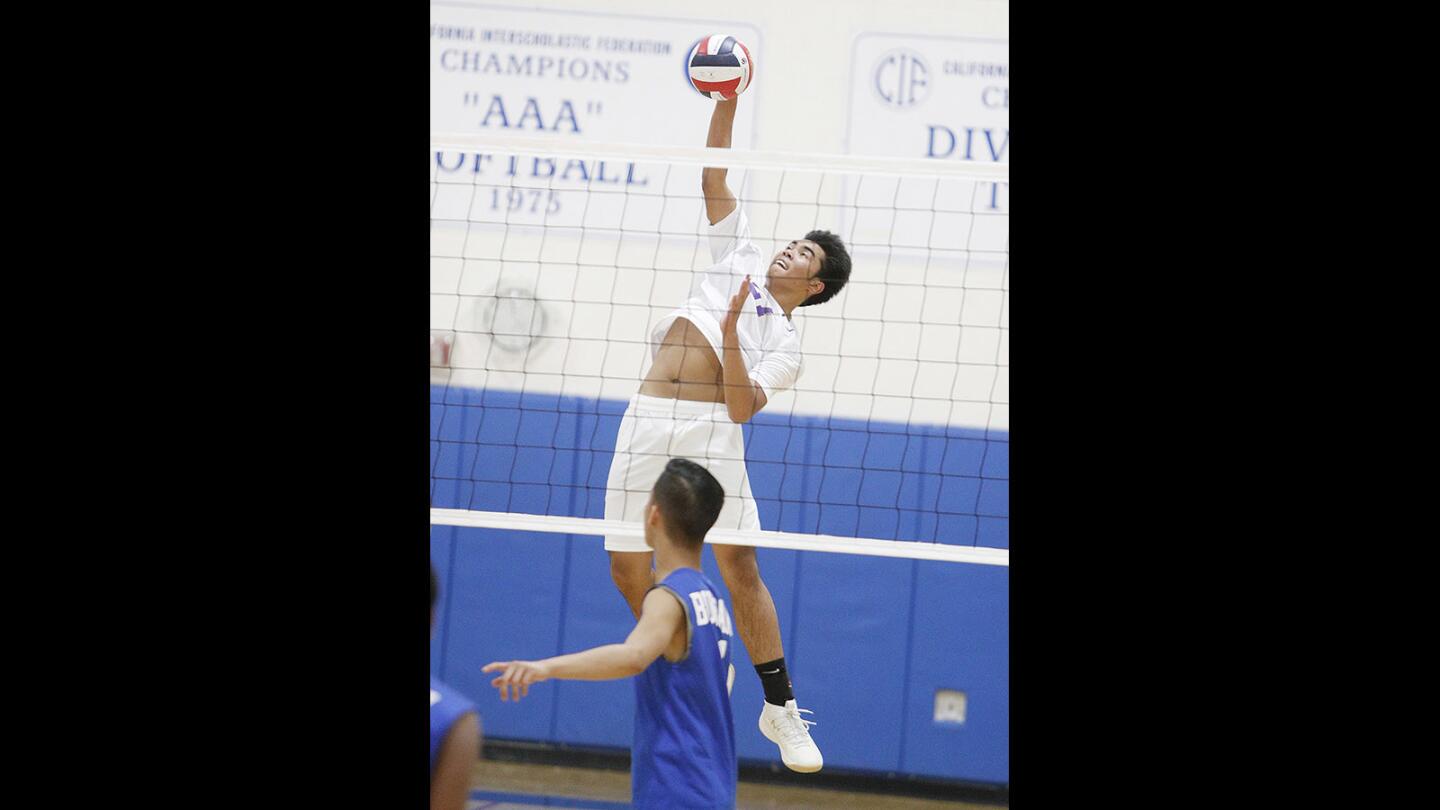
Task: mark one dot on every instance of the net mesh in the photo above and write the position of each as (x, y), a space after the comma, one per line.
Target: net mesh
(548, 270)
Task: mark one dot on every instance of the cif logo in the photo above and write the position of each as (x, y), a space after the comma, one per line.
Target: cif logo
(902, 79)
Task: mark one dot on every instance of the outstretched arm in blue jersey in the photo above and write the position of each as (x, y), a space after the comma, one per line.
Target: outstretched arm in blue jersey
(661, 619)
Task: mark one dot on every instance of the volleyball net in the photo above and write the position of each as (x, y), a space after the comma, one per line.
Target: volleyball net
(550, 263)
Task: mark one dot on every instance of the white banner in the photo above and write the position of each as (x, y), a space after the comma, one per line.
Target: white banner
(594, 76)
(930, 97)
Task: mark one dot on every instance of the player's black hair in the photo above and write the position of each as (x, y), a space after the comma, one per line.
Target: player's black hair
(834, 268)
(689, 498)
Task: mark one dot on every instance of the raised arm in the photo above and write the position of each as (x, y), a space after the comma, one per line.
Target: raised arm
(660, 618)
(719, 202)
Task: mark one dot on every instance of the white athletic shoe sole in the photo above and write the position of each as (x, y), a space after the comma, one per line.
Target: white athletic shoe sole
(797, 750)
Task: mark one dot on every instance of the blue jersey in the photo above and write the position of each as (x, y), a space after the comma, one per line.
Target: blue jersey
(684, 754)
(446, 707)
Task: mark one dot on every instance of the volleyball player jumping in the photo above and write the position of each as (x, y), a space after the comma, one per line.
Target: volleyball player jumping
(717, 360)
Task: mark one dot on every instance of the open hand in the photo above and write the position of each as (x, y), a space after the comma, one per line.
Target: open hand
(517, 676)
(737, 303)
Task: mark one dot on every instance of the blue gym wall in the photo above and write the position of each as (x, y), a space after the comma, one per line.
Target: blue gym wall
(868, 640)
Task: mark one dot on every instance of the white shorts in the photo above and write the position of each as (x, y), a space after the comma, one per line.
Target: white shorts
(655, 430)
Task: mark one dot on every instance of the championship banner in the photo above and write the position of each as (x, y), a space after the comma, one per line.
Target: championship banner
(573, 76)
(946, 98)
(593, 76)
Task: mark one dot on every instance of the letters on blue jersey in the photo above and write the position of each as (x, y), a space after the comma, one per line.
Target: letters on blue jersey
(710, 609)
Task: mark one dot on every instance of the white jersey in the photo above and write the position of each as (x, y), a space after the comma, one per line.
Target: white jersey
(769, 342)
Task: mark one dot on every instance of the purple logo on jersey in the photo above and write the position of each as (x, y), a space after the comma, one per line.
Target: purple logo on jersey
(760, 310)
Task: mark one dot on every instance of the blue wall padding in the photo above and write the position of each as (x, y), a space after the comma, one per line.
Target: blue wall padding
(868, 640)
(510, 452)
(849, 649)
(961, 640)
(441, 543)
(504, 600)
(597, 713)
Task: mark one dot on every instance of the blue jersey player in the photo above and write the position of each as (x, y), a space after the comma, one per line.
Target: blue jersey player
(684, 747)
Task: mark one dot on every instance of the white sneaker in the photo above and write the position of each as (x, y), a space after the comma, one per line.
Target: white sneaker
(787, 729)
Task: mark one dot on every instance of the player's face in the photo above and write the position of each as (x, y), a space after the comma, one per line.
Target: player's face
(794, 267)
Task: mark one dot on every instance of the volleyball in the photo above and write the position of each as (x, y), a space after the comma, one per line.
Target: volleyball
(719, 66)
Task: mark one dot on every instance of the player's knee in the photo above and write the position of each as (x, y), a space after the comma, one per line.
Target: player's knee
(631, 572)
(738, 566)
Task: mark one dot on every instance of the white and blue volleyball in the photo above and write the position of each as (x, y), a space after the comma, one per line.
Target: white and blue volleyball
(719, 66)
